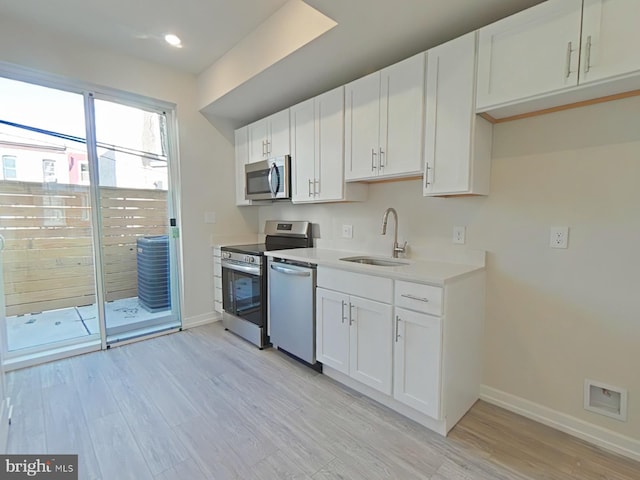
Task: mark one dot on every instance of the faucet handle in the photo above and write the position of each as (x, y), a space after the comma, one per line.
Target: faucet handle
(400, 249)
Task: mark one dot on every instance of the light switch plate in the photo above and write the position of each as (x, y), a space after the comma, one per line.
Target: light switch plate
(347, 231)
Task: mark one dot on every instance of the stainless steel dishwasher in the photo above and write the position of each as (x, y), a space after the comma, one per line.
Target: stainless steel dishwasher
(292, 308)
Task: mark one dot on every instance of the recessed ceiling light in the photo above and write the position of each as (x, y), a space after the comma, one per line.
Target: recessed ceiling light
(173, 40)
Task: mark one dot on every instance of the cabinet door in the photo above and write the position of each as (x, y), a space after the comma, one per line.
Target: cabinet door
(362, 115)
(303, 151)
(332, 329)
(449, 116)
(610, 37)
(371, 343)
(531, 53)
(401, 117)
(330, 156)
(257, 140)
(417, 361)
(242, 157)
(279, 138)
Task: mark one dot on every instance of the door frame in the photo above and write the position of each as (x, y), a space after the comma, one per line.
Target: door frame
(89, 91)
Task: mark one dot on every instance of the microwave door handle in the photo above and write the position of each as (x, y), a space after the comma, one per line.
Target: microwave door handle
(274, 168)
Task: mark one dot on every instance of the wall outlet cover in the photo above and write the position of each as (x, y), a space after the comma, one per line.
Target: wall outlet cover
(347, 231)
(459, 235)
(559, 237)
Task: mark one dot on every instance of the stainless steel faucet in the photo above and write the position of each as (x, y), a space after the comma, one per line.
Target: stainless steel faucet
(396, 248)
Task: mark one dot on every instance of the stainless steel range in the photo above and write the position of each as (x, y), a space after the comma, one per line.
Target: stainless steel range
(244, 278)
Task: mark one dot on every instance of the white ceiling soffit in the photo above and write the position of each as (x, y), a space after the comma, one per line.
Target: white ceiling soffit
(294, 25)
(369, 35)
(208, 28)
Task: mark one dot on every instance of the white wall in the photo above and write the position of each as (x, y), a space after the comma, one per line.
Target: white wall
(554, 317)
(206, 157)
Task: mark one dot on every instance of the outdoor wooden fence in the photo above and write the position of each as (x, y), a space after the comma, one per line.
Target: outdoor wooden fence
(49, 259)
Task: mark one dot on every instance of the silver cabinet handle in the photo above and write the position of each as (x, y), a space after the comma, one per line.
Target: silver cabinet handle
(264, 148)
(587, 60)
(569, 52)
(373, 159)
(344, 304)
(268, 147)
(380, 162)
(426, 176)
(310, 194)
(397, 331)
(414, 297)
(351, 319)
(316, 187)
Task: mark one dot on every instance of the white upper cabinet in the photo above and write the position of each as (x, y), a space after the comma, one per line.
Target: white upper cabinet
(269, 137)
(242, 158)
(556, 53)
(457, 141)
(317, 148)
(383, 122)
(530, 53)
(610, 39)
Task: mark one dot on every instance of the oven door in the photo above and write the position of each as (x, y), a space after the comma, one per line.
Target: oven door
(244, 292)
(268, 179)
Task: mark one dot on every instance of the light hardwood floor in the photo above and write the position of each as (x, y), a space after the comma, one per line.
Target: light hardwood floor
(204, 404)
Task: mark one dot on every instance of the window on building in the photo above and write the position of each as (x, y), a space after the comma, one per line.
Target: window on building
(9, 171)
(84, 172)
(49, 171)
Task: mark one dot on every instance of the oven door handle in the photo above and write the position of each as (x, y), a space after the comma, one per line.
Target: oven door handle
(290, 271)
(250, 269)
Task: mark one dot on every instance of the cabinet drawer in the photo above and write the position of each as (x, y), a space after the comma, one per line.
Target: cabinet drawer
(419, 297)
(350, 283)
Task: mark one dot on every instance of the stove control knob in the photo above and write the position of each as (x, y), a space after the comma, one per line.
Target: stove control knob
(251, 260)
(226, 254)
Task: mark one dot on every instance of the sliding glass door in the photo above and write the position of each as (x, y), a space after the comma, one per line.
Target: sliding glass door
(45, 217)
(85, 207)
(137, 247)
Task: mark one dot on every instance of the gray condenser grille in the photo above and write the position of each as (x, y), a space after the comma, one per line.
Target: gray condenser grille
(154, 292)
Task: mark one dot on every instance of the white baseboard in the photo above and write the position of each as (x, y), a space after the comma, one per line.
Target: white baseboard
(602, 437)
(200, 320)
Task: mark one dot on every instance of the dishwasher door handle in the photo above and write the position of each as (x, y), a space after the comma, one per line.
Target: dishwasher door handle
(290, 271)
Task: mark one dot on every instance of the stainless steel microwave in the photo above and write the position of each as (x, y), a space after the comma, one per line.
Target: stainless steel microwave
(268, 179)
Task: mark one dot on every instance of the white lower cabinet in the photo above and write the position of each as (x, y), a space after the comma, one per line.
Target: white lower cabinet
(414, 347)
(354, 334)
(370, 343)
(217, 280)
(332, 331)
(417, 361)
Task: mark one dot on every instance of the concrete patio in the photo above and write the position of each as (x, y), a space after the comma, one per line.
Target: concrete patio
(32, 330)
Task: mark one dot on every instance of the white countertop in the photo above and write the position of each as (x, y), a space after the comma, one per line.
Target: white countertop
(418, 270)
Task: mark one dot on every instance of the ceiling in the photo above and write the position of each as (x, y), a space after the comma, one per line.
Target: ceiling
(370, 34)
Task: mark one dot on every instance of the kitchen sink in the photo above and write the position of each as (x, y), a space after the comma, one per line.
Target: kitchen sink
(380, 262)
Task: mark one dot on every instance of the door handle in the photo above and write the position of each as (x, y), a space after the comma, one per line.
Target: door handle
(351, 319)
(373, 159)
(310, 194)
(290, 271)
(344, 304)
(380, 162)
(273, 169)
(397, 327)
(587, 60)
(415, 297)
(569, 52)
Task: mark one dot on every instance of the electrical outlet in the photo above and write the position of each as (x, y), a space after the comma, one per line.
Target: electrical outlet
(559, 237)
(347, 231)
(459, 234)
